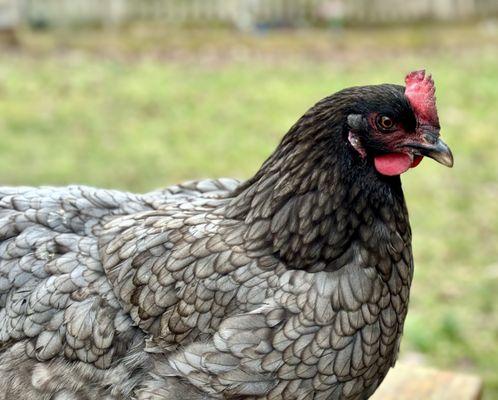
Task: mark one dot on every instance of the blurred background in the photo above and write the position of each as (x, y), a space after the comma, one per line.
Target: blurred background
(139, 94)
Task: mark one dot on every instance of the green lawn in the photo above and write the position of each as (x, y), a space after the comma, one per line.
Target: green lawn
(142, 121)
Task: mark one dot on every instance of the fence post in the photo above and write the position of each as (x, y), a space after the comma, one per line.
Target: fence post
(9, 15)
(244, 14)
(115, 12)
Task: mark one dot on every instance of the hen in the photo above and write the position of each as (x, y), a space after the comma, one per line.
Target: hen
(291, 285)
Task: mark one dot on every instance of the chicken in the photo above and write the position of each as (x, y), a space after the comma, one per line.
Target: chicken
(291, 285)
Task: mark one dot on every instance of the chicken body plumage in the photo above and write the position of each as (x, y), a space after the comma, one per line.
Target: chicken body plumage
(88, 275)
(291, 285)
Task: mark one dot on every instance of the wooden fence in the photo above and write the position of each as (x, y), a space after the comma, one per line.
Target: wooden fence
(245, 14)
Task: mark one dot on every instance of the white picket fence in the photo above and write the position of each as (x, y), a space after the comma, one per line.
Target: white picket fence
(242, 13)
(245, 14)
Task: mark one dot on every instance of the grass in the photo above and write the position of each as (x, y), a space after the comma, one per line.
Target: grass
(116, 115)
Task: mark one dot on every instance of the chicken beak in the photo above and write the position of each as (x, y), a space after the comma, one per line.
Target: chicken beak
(440, 152)
(433, 146)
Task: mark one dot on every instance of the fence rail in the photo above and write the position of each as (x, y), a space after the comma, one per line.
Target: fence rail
(245, 14)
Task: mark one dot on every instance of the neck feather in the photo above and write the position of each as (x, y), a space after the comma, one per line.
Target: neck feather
(311, 199)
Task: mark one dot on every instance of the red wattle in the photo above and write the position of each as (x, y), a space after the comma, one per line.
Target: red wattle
(394, 163)
(416, 161)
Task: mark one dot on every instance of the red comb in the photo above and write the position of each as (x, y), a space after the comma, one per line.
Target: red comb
(420, 93)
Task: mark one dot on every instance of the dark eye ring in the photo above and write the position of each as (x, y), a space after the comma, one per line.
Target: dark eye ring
(384, 122)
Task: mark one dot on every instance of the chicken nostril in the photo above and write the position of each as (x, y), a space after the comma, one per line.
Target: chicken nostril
(431, 139)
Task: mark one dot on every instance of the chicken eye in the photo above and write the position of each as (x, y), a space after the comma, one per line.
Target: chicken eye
(385, 123)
